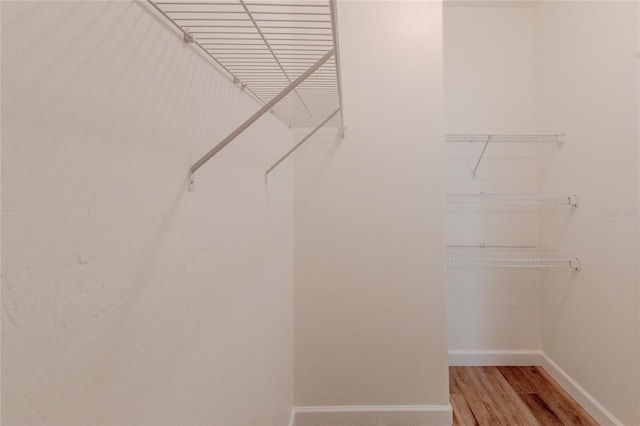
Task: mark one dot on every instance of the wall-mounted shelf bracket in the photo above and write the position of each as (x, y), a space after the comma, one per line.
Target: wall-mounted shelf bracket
(265, 108)
(190, 182)
(575, 263)
(573, 200)
(296, 146)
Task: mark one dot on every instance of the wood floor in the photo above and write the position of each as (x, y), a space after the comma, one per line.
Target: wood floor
(511, 396)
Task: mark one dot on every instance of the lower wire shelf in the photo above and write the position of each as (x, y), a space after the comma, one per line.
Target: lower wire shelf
(511, 199)
(507, 256)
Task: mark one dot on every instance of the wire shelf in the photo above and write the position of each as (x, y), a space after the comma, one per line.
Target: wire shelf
(265, 46)
(486, 139)
(483, 138)
(504, 256)
(511, 199)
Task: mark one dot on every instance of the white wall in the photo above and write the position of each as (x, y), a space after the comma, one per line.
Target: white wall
(490, 88)
(126, 299)
(369, 225)
(587, 82)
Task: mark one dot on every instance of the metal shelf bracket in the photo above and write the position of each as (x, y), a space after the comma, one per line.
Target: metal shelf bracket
(267, 107)
(575, 263)
(296, 146)
(191, 182)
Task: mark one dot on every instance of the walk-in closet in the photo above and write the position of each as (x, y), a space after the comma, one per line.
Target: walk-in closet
(320, 212)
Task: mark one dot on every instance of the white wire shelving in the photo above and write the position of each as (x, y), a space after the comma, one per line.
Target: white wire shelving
(511, 199)
(503, 138)
(265, 46)
(508, 256)
(486, 139)
(284, 53)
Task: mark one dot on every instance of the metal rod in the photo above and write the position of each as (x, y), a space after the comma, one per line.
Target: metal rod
(295, 21)
(205, 3)
(286, 5)
(334, 27)
(484, 148)
(222, 26)
(241, 12)
(289, 27)
(258, 114)
(235, 39)
(313, 132)
(212, 19)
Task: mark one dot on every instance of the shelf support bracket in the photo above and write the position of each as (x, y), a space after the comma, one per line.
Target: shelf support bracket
(575, 263)
(296, 146)
(484, 148)
(573, 200)
(265, 108)
(190, 182)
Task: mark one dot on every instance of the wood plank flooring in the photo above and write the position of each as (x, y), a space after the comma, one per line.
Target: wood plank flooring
(525, 396)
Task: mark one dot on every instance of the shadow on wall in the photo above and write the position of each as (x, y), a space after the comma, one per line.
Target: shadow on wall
(118, 283)
(325, 146)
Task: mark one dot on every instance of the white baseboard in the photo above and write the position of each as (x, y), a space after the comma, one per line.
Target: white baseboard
(494, 357)
(292, 417)
(387, 415)
(584, 398)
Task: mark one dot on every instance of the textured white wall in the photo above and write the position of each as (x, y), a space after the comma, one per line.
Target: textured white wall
(490, 88)
(369, 231)
(587, 82)
(126, 299)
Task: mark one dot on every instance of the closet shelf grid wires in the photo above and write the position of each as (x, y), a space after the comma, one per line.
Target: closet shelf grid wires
(508, 256)
(283, 53)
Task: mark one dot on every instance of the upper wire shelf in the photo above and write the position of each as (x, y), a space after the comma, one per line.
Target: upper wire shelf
(511, 199)
(284, 53)
(523, 138)
(500, 138)
(265, 46)
(508, 256)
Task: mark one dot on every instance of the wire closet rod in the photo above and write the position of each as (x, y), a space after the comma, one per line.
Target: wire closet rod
(257, 115)
(336, 48)
(299, 144)
(205, 3)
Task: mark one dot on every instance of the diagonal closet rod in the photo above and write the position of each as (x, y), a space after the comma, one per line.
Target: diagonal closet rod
(284, 157)
(257, 115)
(334, 32)
(484, 148)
